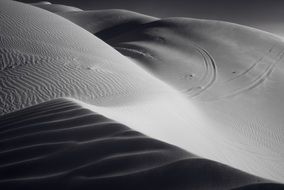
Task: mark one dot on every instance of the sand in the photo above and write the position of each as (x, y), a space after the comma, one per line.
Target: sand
(212, 88)
(61, 145)
(230, 74)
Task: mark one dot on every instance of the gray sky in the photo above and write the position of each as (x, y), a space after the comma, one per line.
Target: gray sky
(263, 14)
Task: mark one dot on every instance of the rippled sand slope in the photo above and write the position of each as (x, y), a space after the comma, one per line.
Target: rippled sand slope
(44, 56)
(61, 145)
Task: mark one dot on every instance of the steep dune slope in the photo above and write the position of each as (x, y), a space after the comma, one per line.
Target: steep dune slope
(61, 145)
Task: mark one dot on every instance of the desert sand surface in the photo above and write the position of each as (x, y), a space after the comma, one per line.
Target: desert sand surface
(212, 88)
(61, 145)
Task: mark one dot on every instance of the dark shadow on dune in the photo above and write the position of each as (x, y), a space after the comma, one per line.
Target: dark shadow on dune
(61, 145)
(268, 186)
(114, 31)
(107, 24)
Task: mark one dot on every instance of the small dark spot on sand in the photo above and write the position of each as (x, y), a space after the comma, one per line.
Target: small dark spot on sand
(188, 76)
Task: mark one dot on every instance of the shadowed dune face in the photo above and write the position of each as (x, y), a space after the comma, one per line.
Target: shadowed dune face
(108, 23)
(59, 144)
(231, 75)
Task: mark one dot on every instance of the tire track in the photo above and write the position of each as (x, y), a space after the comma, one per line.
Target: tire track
(261, 77)
(210, 73)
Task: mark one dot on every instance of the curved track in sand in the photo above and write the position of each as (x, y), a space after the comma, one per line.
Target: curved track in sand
(254, 65)
(261, 64)
(210, 73)
(207, 79)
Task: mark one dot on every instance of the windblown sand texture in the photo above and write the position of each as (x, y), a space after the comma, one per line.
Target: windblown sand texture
(212, 88)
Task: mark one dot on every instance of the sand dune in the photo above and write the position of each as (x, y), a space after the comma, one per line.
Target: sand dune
(231, 74)
(243, 56)
(212, 88)
(59, 144)
(42, 45)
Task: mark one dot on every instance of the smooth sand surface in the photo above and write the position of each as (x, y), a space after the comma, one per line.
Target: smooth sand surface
(212, 88)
